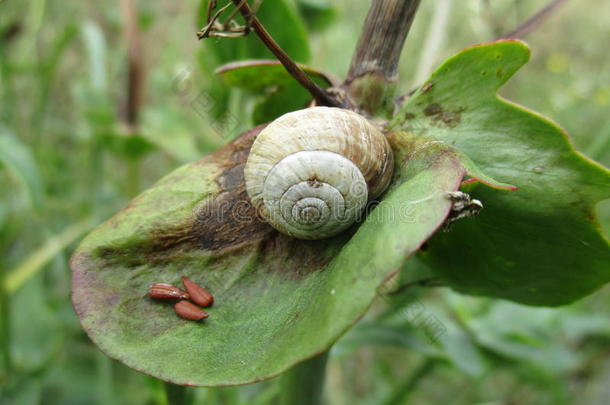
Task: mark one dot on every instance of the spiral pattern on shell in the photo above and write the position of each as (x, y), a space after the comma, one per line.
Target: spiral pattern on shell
(310, 173)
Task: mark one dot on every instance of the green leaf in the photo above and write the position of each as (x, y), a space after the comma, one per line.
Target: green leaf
(268, 79)
(284, 25)
(278, 300)
(34, 348)
(527, 335)
(259, 76)
(38, 259)
(282, 22)
(169, 130)
(130, 146)
(16, 157)
(318, 14)
(279, 103)
(541, 244)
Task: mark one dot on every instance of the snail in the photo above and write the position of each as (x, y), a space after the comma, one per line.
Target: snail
(311, 172)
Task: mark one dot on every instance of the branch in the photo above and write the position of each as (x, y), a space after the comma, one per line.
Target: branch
(535, 21)
(317, 93)
(402, 393)
(374, 66)
(135, 79)
(383, 36)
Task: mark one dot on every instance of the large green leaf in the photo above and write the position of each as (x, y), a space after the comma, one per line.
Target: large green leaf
(541, 244)
(282, 21)
(261, 75)
(278, 300)
(270, 81)
(279, 18)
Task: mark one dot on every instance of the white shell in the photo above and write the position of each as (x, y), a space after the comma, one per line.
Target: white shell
(311, 172)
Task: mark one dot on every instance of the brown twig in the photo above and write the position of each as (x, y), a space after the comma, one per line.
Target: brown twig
(534, 21)
(295, 71)
(211, 7)
(383, 36)
(135, 79)
(205, 32)
(11, 32)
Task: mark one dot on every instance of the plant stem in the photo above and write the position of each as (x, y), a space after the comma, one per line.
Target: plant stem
(13, 280)
(535, 21)
(135, 78)
(105, 379)
(130, 111)
(383, 35)
(317, 93)
(401, 395)
(373, 70)
(303, 384)
(176, 394)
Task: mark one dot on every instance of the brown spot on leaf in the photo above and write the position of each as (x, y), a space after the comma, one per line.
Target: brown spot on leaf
(230, 220)
(433, 109)
(231, 178)
(227, 222)
(400, 100)
(427, 87)
(442, 117)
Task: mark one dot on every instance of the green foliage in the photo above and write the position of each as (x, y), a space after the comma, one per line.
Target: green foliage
(287, 28)
(268, 80)
(17, 158)
(290, 299)
(58, 106)
(318, 14)
(541, 244)
(282, 22)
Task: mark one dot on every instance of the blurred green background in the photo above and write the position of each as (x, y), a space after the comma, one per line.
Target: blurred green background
(71, 156)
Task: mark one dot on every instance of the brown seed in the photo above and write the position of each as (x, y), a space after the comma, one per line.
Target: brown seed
(187, 310)
(199, 295)
(163, 291)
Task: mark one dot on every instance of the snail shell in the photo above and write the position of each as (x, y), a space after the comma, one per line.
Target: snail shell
(310, 173)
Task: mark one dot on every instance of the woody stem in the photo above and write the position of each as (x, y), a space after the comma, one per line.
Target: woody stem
(300, 76)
